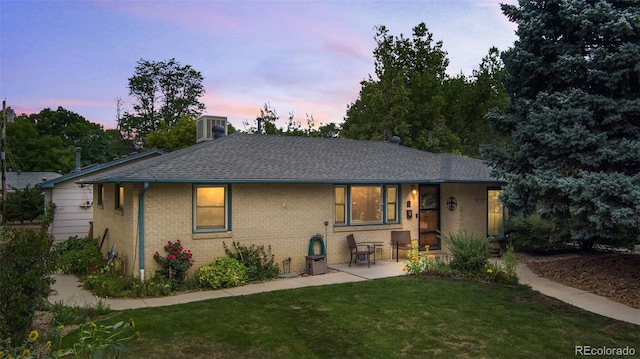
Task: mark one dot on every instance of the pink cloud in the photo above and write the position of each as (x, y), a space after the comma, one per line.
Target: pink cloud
(22, 110)
(89, 109)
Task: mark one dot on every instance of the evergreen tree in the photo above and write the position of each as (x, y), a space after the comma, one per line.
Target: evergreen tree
(574, 117)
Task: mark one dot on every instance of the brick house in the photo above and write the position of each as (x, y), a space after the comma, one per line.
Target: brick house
(281, 191)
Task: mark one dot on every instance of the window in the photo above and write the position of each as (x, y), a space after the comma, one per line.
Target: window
(495, 213)
(366, 204)
(210, 208)
(119, 196)
(392, 203)
(100, 194)
(341, 204)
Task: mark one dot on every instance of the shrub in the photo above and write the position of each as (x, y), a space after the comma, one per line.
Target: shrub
(100, 341)
(260, 263)
(469, 252)
(26, 264)
(93, 341)
(510, 263)
(25, 204)
(423, 263)
(64, 314)
(223, 272)
(78, 255)
(109, 283)
(176, 264)
(533, 234)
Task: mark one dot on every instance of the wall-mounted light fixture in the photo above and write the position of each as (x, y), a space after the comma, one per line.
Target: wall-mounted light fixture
(414, 191)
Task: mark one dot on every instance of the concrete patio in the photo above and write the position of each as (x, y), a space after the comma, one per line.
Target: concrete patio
(383, 268)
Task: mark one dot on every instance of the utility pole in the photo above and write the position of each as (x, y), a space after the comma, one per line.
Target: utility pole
(3, 161)
(7, 115)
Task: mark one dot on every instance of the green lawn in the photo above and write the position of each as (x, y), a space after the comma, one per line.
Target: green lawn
(401, 317)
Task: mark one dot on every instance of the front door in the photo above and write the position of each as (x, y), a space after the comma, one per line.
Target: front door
(429, 217)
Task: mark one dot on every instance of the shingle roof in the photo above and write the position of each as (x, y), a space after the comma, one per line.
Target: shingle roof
(266, 158)
(99, 167)
(20, 180)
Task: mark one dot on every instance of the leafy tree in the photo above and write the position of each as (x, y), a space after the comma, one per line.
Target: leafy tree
(412, 97)
(118, 145)
(574, 117)
(165, 91)
(330, 130)
(75, 131)
(27, 150)
(469, 99)
(406, 99)
(269, 117)
(46, 141)
(25, 204)
(168, 138)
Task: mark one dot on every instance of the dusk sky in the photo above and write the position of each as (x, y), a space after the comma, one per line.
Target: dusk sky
(304, 57)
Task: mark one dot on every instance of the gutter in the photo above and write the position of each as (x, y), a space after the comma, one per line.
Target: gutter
(145, 187)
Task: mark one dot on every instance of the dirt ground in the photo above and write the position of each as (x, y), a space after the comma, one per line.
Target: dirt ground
(612, 275)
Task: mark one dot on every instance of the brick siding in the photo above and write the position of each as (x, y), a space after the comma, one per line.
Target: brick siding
(284, 216)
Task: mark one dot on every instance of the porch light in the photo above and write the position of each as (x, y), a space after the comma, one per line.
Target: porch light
(414, 191)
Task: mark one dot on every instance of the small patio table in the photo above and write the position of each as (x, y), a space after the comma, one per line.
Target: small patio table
(375, 245)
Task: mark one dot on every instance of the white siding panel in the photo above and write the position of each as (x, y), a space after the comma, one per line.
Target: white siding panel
(70, 218)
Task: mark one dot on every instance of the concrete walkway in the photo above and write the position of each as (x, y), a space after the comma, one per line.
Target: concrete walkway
(67, 290)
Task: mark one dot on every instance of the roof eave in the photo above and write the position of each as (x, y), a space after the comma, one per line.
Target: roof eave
(69, 176)
(287, 180)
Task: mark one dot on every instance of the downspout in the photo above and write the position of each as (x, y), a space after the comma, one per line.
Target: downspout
(145, 187)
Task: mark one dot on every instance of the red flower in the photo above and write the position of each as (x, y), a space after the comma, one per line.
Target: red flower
(171, 257)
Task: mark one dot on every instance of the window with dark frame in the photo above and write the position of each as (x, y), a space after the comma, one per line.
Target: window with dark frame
(341, 204)
(100, 194)
(119, 196)
(495, 214)
(366, 204)
(210, 208)
(392, 204)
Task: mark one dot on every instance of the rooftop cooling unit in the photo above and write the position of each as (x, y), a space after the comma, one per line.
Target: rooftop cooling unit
(205, 124)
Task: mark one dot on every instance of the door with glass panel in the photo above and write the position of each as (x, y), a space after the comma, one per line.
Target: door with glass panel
(429, 202)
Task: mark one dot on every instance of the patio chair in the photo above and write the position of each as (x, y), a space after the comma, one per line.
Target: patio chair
(400, 240)
(353, 248)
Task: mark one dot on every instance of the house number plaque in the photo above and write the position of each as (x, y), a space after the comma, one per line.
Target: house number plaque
(452, 203)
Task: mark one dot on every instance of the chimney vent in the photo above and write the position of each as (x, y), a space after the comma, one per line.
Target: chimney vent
(78, 152)
(205, 126)
(218, 132)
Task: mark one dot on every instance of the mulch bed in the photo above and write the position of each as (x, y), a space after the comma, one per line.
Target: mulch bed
(612, 275)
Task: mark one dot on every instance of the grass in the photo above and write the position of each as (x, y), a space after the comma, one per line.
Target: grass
(401, 317)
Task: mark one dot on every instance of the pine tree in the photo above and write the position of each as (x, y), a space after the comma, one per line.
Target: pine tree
(574, 117)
